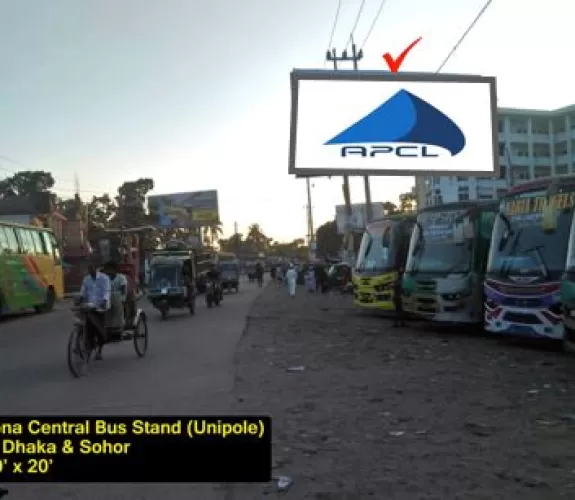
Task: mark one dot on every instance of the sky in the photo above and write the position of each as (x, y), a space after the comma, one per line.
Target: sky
(196, 94)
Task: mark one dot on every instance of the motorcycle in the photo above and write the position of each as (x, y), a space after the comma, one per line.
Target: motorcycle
(214, 294)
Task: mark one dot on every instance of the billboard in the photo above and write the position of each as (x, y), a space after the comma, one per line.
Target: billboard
(357, 222)
(376, 123)
(185, 210)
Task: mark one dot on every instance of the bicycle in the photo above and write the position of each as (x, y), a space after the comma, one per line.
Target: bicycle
(81, 348)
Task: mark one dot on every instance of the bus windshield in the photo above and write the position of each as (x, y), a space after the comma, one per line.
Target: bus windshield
(375, 252)
(520, 246)
(434, 248)
(164, 274)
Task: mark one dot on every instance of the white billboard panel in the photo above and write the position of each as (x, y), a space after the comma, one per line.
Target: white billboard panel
(375, 123)
(357, 221)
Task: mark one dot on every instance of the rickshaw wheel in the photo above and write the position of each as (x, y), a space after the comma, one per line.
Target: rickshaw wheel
(141, 337)
(78, 357)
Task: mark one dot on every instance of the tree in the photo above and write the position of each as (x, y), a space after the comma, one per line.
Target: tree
(100, 210)
(234, 243)
(213, 231)
(67, 207)
(407, 202)
(26, 183)
(389, 208)
(131, 200)
(328, 241)
(256, 239)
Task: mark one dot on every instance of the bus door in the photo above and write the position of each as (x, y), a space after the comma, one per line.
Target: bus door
(58, 263)
(8, 288)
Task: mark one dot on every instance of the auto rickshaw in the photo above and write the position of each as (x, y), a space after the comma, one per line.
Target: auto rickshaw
(230, 275)
(172, 282)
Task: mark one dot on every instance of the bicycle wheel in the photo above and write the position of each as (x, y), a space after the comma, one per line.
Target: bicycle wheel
(78, 354)
(141, 337)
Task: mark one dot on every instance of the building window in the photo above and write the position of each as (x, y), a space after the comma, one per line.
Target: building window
(542, 172)
(462, 179)
(503, 171)
(463, 196)
(561, 169)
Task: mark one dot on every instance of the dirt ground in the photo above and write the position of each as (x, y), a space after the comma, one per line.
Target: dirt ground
(385, 413)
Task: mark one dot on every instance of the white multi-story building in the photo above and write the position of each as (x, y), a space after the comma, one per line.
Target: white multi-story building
(532, 143)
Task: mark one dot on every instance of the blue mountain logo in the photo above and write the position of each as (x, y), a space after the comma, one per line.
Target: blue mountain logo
(404, 118)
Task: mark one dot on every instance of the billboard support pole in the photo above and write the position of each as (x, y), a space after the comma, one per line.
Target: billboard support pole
(368, 208)
(310, 230)
(356, 56)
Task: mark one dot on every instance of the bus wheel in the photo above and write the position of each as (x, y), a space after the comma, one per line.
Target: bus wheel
(49, 304)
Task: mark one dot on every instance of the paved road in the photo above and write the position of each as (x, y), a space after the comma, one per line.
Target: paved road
(188, 370)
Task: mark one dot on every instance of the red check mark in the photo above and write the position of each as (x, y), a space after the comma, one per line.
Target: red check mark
(394, 64)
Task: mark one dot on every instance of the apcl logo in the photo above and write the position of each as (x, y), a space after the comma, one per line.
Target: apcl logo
(405, 126)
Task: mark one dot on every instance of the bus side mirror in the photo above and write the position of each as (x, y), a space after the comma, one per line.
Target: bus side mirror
(549, 218)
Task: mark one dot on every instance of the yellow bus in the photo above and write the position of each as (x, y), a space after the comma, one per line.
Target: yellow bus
(31, 270)
(383, 251)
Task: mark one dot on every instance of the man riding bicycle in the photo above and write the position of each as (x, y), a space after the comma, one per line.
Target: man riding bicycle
(96, 291)
(214, 274)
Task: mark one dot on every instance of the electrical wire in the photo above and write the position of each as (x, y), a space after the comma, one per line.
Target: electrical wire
(358, 17)
(466, 32)
(374, 22)
(332, 34)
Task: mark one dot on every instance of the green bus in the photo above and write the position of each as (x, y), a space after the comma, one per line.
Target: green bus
(446, 262)
(31, 269)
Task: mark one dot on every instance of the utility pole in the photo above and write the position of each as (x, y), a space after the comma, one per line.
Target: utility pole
(355, 58)
(236, 239)
(310, 229)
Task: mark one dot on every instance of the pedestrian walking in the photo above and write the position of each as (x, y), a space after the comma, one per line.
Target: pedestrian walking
(279, 275)
(321, 276)
(310, 279)
(291, 277)
(398, 301)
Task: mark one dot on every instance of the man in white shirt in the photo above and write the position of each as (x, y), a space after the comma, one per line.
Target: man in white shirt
(96, 290)
(119, 295)
(291, 276)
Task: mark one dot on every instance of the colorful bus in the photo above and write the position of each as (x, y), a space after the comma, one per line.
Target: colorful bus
(568, 282)
(446, 262)
(528, 260)
(31, 271)
(381, 254)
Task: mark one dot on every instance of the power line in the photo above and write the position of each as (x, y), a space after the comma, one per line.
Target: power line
(374, 22)
(338, 9)
(358, 17)
(460, 41)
